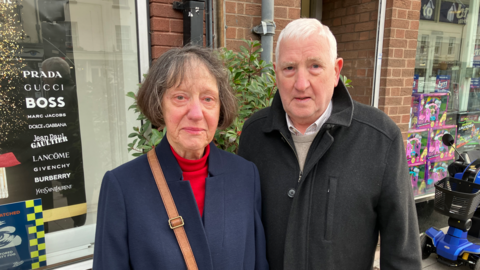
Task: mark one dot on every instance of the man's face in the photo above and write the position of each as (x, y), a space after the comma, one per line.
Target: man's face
(306, 77)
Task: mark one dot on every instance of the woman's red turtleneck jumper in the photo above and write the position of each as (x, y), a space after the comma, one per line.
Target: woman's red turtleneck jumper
(195, 171)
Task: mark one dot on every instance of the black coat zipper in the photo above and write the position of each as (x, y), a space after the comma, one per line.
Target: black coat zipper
(296, 156)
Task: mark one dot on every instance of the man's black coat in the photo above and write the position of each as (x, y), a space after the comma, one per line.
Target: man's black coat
(354, 186)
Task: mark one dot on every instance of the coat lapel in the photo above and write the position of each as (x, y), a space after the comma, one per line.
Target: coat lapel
(214, 214)
(186, 205)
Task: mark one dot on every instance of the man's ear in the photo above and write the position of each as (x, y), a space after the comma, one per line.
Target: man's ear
(338, 69)
(274, 66)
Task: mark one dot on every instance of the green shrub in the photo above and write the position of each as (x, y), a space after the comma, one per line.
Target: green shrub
(254, 90)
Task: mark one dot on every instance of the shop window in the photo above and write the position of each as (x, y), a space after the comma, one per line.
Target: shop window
(64, 119)
(446, 89)
(122, 33)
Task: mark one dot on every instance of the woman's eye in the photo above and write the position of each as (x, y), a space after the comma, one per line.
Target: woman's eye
(179, 97)
(208, 99)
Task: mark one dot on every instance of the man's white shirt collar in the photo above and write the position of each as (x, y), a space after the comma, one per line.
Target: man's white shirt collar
(314, 127)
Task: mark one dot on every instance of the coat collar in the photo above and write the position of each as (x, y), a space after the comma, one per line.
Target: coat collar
(174, 173)
(342, 111)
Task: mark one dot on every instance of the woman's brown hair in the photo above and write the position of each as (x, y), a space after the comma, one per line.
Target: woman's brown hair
(170, 69)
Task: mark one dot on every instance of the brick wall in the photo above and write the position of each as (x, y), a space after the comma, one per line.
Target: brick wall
(166, 27)
(354, 24)
(399, 49)
(242, 15)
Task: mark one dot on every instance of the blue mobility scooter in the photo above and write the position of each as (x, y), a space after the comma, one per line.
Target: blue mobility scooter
(456, 196)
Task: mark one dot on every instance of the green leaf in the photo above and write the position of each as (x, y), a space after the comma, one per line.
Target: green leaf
(131, 94)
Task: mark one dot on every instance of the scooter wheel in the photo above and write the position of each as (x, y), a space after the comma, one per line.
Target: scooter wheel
(425, 244)
(477, 265)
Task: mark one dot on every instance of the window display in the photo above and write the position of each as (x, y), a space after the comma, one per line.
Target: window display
(446, 64)
(63, 112)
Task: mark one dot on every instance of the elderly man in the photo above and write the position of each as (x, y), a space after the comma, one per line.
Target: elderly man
(333, 171)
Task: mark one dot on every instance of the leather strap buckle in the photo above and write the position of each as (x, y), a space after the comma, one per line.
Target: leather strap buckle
(175, 226)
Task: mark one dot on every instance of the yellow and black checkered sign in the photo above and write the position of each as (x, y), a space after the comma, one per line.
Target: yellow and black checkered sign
(36, 233)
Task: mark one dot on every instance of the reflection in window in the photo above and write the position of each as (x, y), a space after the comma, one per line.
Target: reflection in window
(451, 46)
(438, 44)
(423, 44)
(122, 32)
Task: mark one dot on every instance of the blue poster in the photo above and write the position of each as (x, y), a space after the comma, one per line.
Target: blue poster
(475, 83)
(442, 83)
(415, 83)
(22, 236)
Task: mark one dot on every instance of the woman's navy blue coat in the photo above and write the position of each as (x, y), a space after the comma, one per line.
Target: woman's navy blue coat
(132, 224)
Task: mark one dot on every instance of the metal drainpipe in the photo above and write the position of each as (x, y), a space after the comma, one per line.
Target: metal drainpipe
(266, 29)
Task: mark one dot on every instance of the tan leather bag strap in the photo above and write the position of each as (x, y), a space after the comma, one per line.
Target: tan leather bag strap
(175, 221)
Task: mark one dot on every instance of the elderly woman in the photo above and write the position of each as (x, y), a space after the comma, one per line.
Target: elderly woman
(216, 193)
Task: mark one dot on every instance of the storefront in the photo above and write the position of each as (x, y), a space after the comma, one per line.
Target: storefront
(445, 90)
(66, 67)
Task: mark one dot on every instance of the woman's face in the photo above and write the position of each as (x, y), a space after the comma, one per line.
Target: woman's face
(191, 112)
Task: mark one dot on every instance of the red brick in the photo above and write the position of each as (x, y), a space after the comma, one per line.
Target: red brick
(284, 3)
(388, 23)
(407, 100)
(240, 8)
(157, 51)
(371, 6)
(412, 44)
(160, 24)
(340, 12)
(402, 14)
(398, 54)
(337, 22)
(400, 33)
(396, 118)
(349, 37)
(406, 91)
(235, 44)
(248, 34)
(405, 118)
(364, 36)
(394, 91)
(365, 26)
(361, 72)
(257, 21)
(349, 55)
(350, 19)
(351, 10)
(408, 81)
(281, 24)
(167, 39)
(350, 28)
(404, 109)
(413, 15)
(239, 21)
(176, 26)
(398, 43)
(293, 13)
(399, 23)
(162, 1)
(396, 62)
(240, 33)
(414, 25)
(364, 17)
(410, 63)
(281, 12)
(390, 13)
(411, 34)
(348, 3)
(231, 33)
(409, 53)
(165, 11)
(402, 3)
(387, 33)
(393, 101)
(373, 34)
(416, 5)
(407, 72)
(373, 16)
(253, 9)
(230, 7)
(348, 46)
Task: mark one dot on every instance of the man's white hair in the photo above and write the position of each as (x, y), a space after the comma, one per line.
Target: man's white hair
(305, 28)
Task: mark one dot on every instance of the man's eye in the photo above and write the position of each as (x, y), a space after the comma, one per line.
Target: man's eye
(289, 68)
(315, 66)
